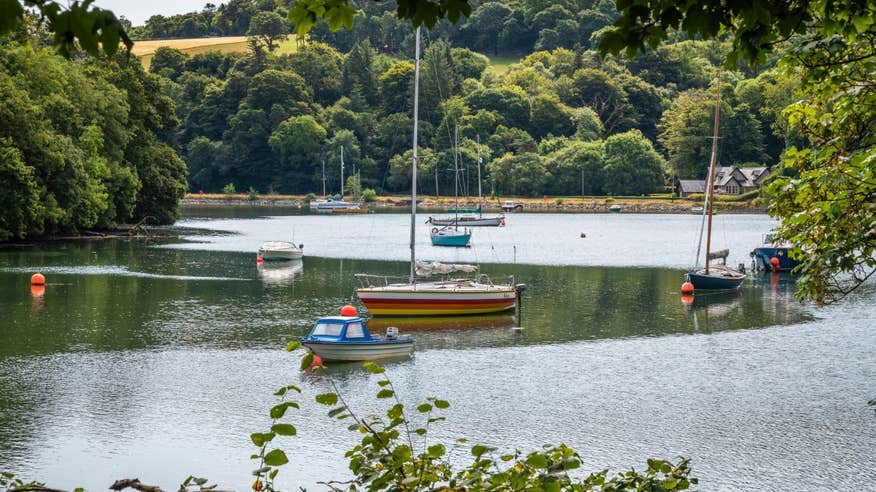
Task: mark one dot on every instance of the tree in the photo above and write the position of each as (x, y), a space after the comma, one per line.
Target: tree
(519, 174)
(549, 116)
(276, 87)
(397, 86)
(268, 27)
(484, 25)
(508, 101)
(320, 66)
(632, 166)
(297, 142)
(577, 168)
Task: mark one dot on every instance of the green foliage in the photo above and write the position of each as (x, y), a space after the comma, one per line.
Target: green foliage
(369, 195)
(827, 197)
(229, 189)
(268, 28)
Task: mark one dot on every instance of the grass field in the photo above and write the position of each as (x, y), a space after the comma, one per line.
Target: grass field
(499, 65)
(144, 50)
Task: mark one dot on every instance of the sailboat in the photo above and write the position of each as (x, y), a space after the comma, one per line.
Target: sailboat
(338, 206)
(441, 297)
(714, 277)
(452, 235)
(470, 219)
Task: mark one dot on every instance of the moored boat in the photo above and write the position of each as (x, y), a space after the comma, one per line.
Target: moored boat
(468, 221)
(510, 206)
(447, 236)
(280, 251)
(346, 338)
(771, 249)
(717, 277)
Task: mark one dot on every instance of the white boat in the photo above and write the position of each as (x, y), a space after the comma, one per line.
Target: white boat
(280, 251)
(444, 297)
(468, 221)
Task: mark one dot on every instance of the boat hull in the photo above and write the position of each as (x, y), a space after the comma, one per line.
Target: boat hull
(280, 251)
(717, 279)
(348, 351)
(381, 302)
(457, 240)
(468, 221)
(763, 256)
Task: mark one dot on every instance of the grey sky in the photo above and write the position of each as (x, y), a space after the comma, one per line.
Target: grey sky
(138, 11)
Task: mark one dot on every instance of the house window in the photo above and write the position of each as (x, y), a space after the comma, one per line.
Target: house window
(733, 189)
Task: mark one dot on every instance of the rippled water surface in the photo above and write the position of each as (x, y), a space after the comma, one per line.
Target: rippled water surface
(156, 359)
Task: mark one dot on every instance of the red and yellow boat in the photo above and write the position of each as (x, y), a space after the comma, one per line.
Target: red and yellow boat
(444, 297)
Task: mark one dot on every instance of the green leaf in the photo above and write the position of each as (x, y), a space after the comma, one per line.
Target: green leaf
(384, 383)
(478, 450)
(273, 473)
(260, 438)
(436, 451)
(536, 460)
(276, 458)
(336, 411)
(424, 408)
(442, 404)
(293, 345)
(385, 393)
(284, 429)
(395, 411)
(11, 14)
(327, 398)
(373, 368)
(306, 360)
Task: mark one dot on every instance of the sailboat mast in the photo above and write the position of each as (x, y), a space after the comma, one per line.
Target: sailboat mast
(711, 181)
(342, 172)
(414, 164)
(455, 176)
(323, 177)
(480, 197)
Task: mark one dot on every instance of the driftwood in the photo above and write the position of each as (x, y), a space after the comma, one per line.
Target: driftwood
(36, 488)
(134, 484)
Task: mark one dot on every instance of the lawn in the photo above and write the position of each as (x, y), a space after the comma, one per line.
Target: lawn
(499, 65)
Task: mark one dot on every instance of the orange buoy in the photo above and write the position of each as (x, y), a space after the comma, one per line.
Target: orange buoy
(775, 263)
(348, 310)
(37, 279)
(687, 288)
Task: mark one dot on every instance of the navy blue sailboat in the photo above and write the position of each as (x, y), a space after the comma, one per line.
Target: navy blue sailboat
(714, 277)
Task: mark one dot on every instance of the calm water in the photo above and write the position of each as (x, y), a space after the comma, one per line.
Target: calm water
(157, 359)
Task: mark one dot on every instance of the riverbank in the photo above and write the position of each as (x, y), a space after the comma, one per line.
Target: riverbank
(648, 205)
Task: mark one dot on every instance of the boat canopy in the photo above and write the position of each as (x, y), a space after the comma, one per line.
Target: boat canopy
(426, 269)
(464, 210)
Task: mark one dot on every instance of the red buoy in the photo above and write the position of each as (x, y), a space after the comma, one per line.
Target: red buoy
(348, 310)
(317, 362)
(260, 260)
(775, 263)
(687, 288)
(37, 279)
(583, 235)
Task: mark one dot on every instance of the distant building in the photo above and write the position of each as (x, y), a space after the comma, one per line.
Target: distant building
(729, 180)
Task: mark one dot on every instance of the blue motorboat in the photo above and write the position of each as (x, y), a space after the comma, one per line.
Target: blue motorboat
(346, 338)
(450, 236)
(772, 248)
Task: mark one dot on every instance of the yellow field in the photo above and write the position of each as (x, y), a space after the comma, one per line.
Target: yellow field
(229, 44)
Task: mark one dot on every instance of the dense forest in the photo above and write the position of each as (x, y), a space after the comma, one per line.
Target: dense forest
(91, 142)
(79, 144)
(560, 121)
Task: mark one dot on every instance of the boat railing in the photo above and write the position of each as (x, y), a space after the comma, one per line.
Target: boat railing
(367, 280)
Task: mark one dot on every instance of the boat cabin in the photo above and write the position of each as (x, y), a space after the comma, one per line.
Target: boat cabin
(341, 329)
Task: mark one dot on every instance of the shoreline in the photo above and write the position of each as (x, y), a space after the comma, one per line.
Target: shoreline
(551, 204)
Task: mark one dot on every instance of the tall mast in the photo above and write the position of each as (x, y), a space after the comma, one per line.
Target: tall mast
(342, 172)
(480, 197)
(414, 164)
(323, 177)
(455, 176)
(711, 181)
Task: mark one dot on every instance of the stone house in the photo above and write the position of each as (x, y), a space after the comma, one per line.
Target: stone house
(729, 180)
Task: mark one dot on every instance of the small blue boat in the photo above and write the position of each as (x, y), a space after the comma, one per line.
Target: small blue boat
(447, 236)
(718, 277)
(345, 338)
(764, 254)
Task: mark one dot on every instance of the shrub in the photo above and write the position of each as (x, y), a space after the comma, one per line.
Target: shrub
(229, 189)
(252, 194)
(369, 195)
(310, 197)
(558, 201)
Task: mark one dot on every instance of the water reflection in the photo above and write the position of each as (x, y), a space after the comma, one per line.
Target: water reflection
(279, 273)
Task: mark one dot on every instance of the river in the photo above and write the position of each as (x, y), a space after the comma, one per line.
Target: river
(157, 358)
